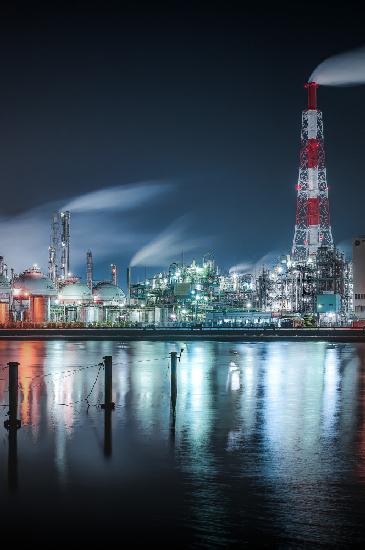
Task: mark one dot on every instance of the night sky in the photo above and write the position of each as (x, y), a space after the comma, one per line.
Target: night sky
(206, 100)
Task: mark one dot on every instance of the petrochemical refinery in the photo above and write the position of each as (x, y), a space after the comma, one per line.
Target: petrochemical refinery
(315, 285)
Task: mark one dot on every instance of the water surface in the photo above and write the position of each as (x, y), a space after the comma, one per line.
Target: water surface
(267, 445)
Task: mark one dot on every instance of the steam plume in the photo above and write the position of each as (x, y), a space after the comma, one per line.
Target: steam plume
(122, 197)
(25, 237)
(344, 69)
(168, 245)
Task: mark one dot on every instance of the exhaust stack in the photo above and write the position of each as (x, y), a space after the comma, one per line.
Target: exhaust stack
(312, 95)
(114, 274)
(89, 269)
(129, 282)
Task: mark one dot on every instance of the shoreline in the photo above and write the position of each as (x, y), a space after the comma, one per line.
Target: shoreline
(177, 334)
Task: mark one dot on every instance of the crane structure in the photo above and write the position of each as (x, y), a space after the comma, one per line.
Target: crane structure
(312, 227)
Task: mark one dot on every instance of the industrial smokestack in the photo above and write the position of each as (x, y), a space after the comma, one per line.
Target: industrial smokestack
(65, 242)
(129, 282)
(89, 269)
(54, 248)
(114, 274)
(312, 95)
(52, 263)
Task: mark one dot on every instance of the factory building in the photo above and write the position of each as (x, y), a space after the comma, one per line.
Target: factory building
(358, 265)
(314, 285)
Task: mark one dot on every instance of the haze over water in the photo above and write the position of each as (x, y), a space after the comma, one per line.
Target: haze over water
(268, 447)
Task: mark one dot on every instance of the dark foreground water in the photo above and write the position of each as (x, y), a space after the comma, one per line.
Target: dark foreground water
(268, 447)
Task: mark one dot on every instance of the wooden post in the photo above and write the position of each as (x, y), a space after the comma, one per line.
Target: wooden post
(13, 423)
(108, 384)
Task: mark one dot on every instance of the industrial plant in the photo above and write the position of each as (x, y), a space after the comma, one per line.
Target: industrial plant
(314, 285)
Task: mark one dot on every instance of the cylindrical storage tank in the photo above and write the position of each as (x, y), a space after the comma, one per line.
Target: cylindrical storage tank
(5, 291)
(38, 309)
(4, 312)
(91, 314)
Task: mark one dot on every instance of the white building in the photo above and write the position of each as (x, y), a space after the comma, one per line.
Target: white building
(358, 261)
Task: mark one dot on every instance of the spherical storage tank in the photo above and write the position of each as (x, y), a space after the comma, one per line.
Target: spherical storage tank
(34, 286)
(33, 282)
(75, 293)
(108, 294)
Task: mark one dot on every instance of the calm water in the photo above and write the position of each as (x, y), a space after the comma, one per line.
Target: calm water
(268, 447)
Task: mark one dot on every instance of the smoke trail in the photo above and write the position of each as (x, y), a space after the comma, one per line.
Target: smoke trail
(269, 260)
(242, 268)
(120, 198)
(25, 237)
(344, 69)
(167, 246)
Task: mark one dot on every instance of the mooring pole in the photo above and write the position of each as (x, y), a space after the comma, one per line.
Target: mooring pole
(13, 422)
(108, 384)
(173, 356)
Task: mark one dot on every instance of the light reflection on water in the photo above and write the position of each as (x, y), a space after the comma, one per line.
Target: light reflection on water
(269, 441)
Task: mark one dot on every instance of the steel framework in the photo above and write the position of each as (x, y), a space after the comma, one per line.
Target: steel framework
(312, 228)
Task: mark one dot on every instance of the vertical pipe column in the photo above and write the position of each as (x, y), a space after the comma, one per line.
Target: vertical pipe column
(129, 281)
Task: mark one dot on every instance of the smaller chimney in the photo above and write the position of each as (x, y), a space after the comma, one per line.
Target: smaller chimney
(129, 282)
(89, 269)
(312, 95)
(114, 274)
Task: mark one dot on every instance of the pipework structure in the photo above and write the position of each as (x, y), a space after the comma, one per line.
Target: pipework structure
(54, 249)
(114, 272)
(65, 243)
(59, 247)
(312, 228)
(89, 269)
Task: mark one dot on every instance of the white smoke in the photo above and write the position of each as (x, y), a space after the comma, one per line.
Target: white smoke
(344, 69)
(244, 267)
(122, 197)
(269, 259)
(25, 237)
(167, 246)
